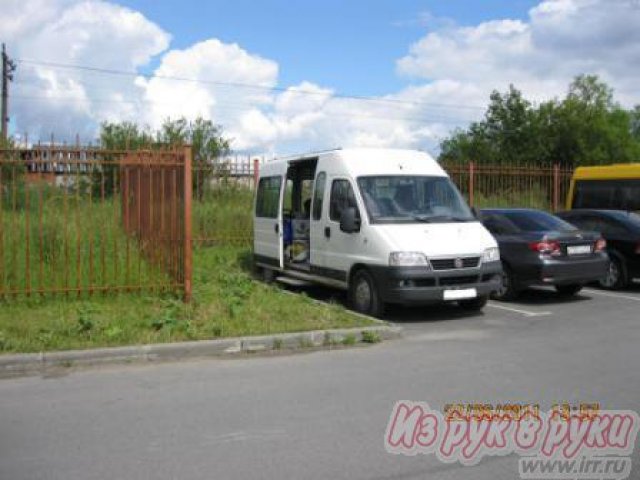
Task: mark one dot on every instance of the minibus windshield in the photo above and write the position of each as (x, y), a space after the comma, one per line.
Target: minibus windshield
(413, 199)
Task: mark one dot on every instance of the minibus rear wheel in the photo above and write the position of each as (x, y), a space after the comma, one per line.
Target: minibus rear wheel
(268, 275)
(363, 295)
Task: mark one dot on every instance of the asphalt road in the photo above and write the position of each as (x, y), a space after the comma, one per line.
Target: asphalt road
(323, 415)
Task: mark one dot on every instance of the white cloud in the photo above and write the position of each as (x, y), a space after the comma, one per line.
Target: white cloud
(209, 64)
(295, 116)
(560, 39)
(94, 33)
(452, 70)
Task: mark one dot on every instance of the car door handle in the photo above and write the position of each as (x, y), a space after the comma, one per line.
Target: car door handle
(327, 232)
(276, 228)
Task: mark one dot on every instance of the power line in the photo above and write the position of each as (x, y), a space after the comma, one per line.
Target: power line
(237, 107)
(110, 71)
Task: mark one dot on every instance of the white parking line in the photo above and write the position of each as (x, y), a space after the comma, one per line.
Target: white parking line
(526, 313)
(613, 295)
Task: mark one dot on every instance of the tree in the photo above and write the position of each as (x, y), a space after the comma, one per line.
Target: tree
(512, 128)
(590, 92)
(585, 128)
(509, 133)
(207, 144)
(635, 123)
(590, 128)
(205, 137)
(125, 136)
(116, 138)
(12, 170)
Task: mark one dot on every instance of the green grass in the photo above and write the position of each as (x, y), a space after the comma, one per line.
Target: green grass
(49, 240)
(227, 302)
(370, 337)
(534, 197)
(223, 215)
(70, 231)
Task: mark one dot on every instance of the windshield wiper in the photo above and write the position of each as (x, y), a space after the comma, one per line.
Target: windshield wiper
(463, 219)
(441, 218)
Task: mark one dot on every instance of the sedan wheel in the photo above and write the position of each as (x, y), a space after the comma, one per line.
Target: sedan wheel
(616, 277)
(508, 289)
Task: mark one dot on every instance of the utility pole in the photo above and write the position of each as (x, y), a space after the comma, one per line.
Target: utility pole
(8, 67)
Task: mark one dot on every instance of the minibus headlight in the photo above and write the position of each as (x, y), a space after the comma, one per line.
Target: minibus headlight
(407, 259)
(491, 255)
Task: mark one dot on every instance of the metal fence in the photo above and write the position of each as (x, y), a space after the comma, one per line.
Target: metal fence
(222, 203)
(532, 186)
(83, 221)
(86, 220)
(223, 197)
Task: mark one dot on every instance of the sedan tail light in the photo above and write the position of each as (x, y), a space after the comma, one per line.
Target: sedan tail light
(547, 247)
(601, 244)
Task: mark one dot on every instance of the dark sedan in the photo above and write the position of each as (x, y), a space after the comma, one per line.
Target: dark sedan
(621, 230)
(538, 248)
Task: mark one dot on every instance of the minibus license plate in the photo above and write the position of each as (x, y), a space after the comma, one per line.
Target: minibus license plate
(460, 294)
(579, 250)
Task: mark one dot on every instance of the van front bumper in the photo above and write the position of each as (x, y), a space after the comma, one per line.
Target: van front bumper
(419, 285)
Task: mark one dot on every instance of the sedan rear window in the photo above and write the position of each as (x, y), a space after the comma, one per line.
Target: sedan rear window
(533, 221)
(630, 218)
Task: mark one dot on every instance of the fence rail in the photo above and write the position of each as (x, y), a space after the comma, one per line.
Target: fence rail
(222, 205)
(104, 221)
(544, 187)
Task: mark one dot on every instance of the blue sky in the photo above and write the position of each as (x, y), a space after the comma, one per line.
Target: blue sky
(350, 45)
(425, 67)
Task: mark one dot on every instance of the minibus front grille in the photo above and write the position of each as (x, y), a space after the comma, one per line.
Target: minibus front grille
(454, 263)
(446, 281)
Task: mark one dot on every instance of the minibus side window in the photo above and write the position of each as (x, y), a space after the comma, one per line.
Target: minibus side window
(342, 197)
(318, 195)
(268, 197)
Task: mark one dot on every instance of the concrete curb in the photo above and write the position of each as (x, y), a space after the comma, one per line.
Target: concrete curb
(37, 363)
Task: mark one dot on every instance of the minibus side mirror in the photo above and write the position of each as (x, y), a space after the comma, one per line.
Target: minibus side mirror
(349, 222)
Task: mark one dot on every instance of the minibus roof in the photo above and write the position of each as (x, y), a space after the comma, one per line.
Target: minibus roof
(357, 162)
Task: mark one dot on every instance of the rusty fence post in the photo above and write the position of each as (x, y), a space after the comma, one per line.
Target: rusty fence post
(188, 259)
(556, 187)
(256, 172)
(471, 182)
(124, 195)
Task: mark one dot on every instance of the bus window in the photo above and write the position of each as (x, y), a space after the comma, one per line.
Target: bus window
(607, 194)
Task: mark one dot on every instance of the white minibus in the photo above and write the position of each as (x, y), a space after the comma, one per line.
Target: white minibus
(388, 226)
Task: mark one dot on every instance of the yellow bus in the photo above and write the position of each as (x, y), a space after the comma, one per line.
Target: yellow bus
(609, 187)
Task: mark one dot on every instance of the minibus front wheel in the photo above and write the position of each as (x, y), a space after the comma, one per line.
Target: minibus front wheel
(474, 304)
(363, 294)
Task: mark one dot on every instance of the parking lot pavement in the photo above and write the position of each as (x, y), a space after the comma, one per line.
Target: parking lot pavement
(323, 415)
(591, 303)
